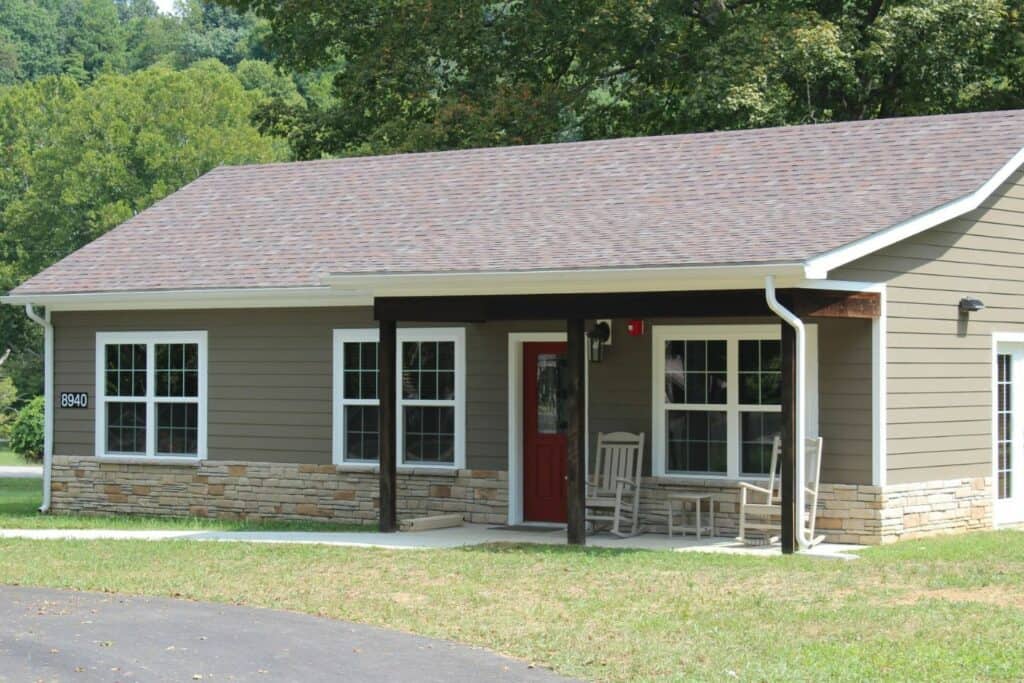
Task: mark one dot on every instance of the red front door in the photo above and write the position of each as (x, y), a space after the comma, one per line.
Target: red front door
(544, 426)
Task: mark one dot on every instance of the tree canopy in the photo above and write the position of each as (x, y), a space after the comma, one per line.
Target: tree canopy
(456, 73)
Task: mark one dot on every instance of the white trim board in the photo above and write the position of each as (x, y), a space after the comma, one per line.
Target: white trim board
(819, 266)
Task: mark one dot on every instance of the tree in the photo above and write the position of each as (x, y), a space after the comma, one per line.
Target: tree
(452, 73)
(78, 160)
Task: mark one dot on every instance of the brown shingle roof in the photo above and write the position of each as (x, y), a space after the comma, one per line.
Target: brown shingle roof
(755, 196)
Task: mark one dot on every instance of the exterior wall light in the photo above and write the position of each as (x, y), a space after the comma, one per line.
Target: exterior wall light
(597, 337)
(971, 305)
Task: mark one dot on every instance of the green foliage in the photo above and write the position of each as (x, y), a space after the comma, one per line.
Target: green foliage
(26, 434)
(450, 73)
(8, 396)
(114, 148)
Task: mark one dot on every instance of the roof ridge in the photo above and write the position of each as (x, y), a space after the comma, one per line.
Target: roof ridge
(393, 157)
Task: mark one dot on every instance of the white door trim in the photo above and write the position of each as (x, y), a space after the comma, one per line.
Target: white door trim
(1005, 512)
(515, 414)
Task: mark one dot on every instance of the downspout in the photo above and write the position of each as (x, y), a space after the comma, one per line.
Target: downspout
(803, 541)
(44, 322)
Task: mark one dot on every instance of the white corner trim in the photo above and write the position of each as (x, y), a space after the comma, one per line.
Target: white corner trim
(149, 339)
(515, 416)
(819, 266)
(48, 397)
(880, 393)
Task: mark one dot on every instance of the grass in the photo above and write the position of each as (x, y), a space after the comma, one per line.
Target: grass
(20, 500)
(12, 458)
(945, 609)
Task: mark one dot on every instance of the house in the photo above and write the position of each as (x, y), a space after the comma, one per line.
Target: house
(367, 339)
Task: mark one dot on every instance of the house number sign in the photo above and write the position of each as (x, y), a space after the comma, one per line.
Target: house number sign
(74, 399)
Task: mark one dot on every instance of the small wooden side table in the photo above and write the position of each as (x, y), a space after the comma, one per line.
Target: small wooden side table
(697, 499)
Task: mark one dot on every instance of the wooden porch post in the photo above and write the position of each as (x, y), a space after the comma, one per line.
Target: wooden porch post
(789, 445)
(386, 391)
(576, 407)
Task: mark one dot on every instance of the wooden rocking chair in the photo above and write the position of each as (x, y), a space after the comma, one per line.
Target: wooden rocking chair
(613, 488)
(764, 505)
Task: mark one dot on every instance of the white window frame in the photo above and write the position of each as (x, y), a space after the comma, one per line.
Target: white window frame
(732, 335)
(405, 334)
(434, 334)
(150, 340)
(338, 400)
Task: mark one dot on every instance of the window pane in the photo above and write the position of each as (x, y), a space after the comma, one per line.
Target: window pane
(176, 370)
(757, 433)
(696, 441)
(760, 372)
(695, 372)
(177, 428)
(360, 370)
(126, 428)
(421, 379)
(361, 434)
(125, 370)
(429, 435)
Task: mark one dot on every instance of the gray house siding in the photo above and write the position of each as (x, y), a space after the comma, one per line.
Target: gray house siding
(939, 365)
(270, 374)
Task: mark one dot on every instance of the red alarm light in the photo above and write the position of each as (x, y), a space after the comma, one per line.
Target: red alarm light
(635, 328)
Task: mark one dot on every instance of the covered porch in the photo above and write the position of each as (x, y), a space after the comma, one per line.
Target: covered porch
(789, 308)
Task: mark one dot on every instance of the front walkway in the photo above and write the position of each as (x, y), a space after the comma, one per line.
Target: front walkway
(455, 537)
(21, 472)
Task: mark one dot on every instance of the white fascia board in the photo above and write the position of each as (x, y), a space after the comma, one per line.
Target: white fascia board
(594, 281)
(285, 297)
(820, 266)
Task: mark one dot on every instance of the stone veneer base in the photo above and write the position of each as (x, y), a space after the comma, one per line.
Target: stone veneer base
(847, 513)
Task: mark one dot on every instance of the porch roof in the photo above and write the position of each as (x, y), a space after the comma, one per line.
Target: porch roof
(769, 196)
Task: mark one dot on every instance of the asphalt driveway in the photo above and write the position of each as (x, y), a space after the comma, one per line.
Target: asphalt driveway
(52, 635)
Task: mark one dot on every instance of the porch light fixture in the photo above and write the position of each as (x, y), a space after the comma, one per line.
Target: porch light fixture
(971, 305)
(598, 335)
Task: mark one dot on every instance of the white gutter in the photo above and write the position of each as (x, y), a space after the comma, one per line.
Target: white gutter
(801, 404)
(44, 322)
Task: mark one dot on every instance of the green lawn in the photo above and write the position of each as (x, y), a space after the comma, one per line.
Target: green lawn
(12, 458)
(20, 500)
(945, 609)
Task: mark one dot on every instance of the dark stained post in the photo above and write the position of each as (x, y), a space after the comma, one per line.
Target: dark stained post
(789, 445)
(576, 407)
(386, 391)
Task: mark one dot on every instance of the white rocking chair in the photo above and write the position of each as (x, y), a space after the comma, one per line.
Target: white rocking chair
(613, 489)
(764, 505)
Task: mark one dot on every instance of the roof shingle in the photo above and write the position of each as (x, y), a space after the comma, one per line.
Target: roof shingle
(755, 196)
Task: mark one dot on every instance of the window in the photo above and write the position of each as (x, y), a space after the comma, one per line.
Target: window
(357, 405)
(717, 398)
(151, 394)
(431, 397)
(1004, 420)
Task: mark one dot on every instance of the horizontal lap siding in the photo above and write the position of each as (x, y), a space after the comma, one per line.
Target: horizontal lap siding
(269, 377)
(844, 400)
(940, 373)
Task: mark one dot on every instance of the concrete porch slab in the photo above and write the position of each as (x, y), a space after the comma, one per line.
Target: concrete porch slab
(454, 537)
